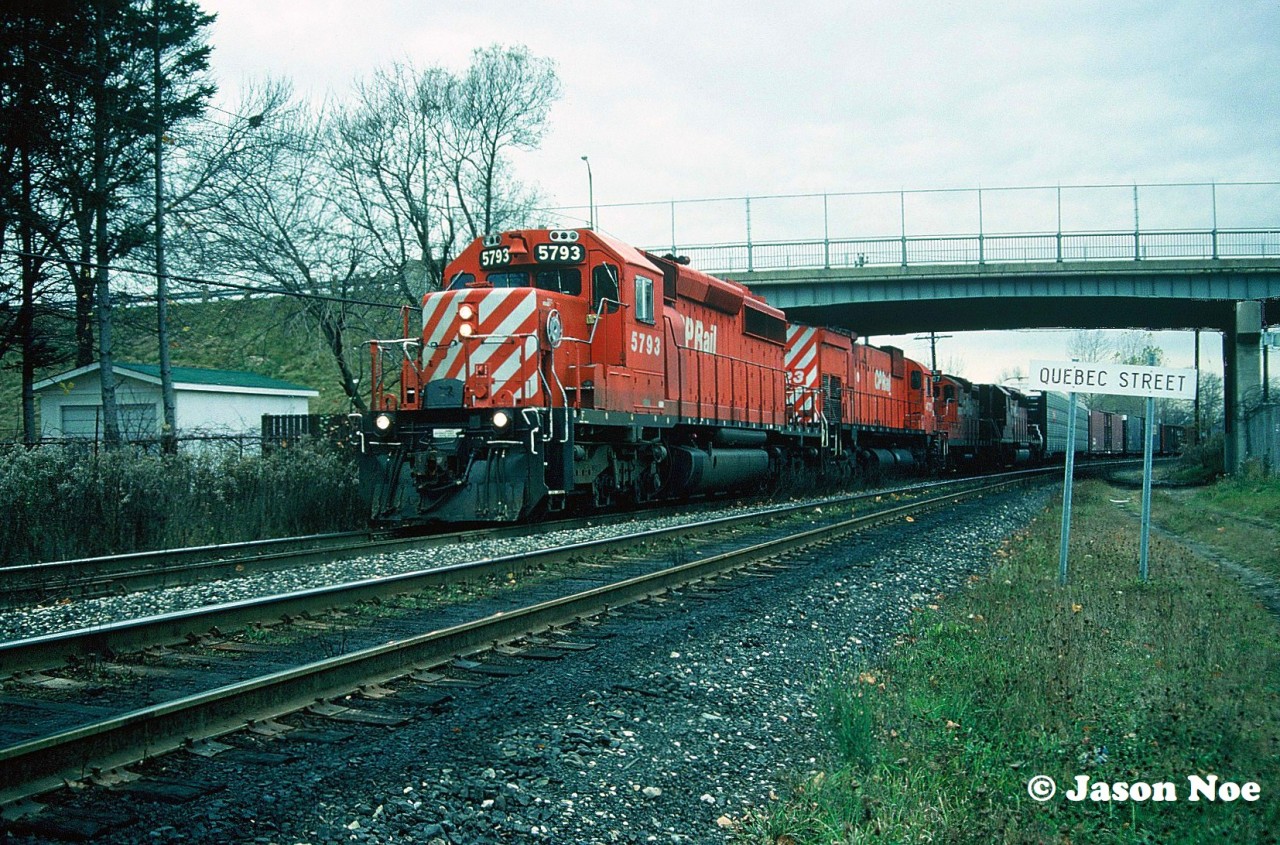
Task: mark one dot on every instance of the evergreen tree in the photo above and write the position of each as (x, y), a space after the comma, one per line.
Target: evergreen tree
(97, 116)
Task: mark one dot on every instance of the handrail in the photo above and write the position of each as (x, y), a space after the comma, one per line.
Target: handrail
(982, 249)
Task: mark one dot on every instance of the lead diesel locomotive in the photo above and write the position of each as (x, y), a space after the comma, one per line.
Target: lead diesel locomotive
(563, 368)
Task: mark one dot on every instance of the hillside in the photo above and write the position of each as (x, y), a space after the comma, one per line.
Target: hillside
(264, 335)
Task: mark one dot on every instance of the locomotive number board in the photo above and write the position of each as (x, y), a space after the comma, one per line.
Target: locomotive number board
(498, 256)
(559, 253)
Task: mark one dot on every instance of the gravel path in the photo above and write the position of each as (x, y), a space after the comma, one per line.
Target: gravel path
(683, 717)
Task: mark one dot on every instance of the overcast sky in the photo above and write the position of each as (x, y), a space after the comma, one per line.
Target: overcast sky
(684, 100)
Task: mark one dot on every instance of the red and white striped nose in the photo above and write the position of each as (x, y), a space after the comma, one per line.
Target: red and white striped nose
(486, 338)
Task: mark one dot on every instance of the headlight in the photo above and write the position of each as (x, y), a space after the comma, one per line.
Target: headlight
(501, 419)
(382, 422)
(465, 330)
(466, 312)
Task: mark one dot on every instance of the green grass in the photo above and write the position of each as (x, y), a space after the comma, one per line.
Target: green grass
(1018, 677)
(1237, 518)
(1248, 493)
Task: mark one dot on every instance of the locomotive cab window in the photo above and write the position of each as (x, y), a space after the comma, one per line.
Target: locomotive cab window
(644, 300)
(508, 279)
(916, 381)
(460, 281)
(604, 286)
(560, 280)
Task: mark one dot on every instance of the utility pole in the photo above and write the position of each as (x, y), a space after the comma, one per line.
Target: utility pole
(933, 339)
(168, 431)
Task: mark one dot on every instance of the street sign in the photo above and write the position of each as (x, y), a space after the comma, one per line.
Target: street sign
(1074, 377)
(1113, 379)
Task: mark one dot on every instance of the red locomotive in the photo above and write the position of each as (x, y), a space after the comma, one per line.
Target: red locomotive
(563, 367)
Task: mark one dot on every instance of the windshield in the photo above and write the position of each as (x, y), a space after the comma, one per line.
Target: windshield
(558, 279)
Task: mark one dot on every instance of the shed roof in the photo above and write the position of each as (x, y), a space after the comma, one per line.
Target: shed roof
(193, 378)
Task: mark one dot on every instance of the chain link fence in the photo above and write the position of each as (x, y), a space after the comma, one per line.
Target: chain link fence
(1262, 437)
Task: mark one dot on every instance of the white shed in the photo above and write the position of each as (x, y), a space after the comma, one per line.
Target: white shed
(208, 402)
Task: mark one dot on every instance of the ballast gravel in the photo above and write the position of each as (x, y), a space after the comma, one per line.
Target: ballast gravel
(74, 614)
(685, 716)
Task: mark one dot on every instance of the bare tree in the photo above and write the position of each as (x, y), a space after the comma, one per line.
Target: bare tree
(421, 157)
(387, 153)
(348, 209)
(1212, 402)
(500, 104)
(286, 229)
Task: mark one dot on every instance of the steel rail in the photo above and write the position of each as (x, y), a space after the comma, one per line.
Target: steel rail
(26, 580)
(117, 574)
(44, 763)
(54, 650)
(187, 566)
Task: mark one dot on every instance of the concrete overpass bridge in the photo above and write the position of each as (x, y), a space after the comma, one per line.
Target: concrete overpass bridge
(1153, 294)
(1203, 255)
(1221, 280)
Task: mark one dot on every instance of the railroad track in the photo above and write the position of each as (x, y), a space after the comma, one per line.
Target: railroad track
(124, 637)
(118, 574)
(536, 620)
(52, 581)
(113, 574)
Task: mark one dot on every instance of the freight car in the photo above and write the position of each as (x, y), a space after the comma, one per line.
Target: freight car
(1049, 412)
(1172, 439)
(564, 369)
(1106, 433)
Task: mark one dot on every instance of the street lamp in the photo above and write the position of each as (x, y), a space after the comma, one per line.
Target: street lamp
(591, 196)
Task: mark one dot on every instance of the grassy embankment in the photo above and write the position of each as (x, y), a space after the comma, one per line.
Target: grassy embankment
(1109, 678)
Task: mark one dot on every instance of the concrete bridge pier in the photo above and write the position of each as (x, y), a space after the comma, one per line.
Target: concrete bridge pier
(1241, 378)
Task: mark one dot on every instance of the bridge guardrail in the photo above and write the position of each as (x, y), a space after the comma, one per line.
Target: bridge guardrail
(915, 250)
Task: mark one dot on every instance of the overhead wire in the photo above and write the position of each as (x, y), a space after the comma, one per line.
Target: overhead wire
(193, 280)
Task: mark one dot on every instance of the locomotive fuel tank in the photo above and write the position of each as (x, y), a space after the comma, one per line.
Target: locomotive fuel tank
(696, 471)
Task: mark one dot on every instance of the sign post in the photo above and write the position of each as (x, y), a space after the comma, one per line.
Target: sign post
(1121, 380)
(1066, 491)
(1148, 448)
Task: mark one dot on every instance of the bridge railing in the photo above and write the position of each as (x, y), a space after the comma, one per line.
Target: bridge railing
(915, 250)
(1087, 222)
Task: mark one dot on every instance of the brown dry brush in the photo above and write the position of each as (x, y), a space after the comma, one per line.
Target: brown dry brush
(66, 502)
